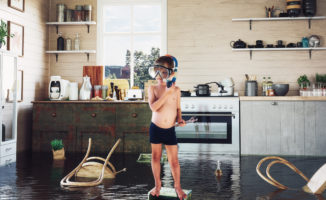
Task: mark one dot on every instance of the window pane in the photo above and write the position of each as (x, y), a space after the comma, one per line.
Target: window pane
(117, 56)
(147, 50)
(147, 18)
(117, 19)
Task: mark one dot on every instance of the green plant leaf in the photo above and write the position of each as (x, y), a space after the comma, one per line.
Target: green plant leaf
(56, 144)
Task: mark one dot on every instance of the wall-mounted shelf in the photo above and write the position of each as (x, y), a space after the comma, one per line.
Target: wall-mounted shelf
(250, 20)
(57, 24)
(87, 52)
(310, 49)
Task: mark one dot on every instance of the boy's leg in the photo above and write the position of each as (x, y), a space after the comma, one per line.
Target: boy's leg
(172, 153)
(156, 168)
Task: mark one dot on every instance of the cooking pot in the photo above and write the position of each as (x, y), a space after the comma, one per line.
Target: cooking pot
(202, 90)
(238, 44)
(185, 93)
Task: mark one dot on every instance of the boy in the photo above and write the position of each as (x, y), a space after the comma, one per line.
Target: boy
(165, 105)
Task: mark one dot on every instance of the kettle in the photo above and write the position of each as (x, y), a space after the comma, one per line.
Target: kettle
(238, 44)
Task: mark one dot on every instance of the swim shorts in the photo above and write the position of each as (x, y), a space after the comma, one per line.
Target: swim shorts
(158, 135)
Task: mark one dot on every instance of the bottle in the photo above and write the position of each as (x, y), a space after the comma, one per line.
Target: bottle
(60, 43)
(218, 171)
(68, 44)
(77, 42)
(269, 86)
(264, 86)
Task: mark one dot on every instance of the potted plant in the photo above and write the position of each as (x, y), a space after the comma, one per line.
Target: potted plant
(4, 33)
(303, 82)
(57, 149)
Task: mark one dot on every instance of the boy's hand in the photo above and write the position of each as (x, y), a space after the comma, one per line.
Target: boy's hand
(181, 123)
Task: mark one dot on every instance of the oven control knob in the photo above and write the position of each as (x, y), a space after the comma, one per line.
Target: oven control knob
(225, 107)
(219, 107)
(192, 106)
(186, 106)
(231, 107)
(214, 106)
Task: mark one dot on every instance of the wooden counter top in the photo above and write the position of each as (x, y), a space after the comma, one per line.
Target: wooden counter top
(81, 102)
(281, 98)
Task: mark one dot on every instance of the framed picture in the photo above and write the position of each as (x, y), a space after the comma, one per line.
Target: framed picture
(17, 4)
(15, 44)
(20, 84)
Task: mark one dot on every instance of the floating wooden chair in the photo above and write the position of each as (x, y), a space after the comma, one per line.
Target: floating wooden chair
(316, 185)
(92, 169)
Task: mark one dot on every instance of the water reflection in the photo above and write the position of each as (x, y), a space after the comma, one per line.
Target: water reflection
(37, 176)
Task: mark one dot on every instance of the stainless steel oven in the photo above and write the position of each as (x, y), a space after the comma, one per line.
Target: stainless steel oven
(213, 125)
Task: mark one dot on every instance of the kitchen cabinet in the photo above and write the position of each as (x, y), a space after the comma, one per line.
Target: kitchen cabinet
(8, 107)
(104, 122)
(283, 127)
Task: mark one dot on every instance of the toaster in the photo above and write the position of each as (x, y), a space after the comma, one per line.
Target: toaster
(135, 94)
(58, 88)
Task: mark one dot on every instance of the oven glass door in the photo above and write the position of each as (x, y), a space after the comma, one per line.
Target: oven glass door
(206, 127)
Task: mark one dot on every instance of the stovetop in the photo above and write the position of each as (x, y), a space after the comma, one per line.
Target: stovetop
(214, 95)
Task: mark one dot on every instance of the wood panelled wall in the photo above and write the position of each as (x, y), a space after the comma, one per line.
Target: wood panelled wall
(34, 63)
(70, 66)
(199, 33)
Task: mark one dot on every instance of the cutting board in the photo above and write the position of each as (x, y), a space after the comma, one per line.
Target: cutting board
(95, 73)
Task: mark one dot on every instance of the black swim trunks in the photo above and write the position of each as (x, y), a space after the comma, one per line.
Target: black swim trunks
(158, 135)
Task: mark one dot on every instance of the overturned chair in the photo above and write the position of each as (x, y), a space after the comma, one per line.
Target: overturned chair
(92, 169)
(316, 185)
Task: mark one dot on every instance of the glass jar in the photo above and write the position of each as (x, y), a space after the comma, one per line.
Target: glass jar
(87, 12)
(104, 91)
(97, 91)
(68, 44)
(78, 13)
(61, 12)
(69, 15)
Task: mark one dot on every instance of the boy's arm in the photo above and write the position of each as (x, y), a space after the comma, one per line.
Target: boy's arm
(179, 115)
(155, 105)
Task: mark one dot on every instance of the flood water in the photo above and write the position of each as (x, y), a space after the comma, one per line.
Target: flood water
(37, 176)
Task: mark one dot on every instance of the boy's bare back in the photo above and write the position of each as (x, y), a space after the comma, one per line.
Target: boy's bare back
(165, 116)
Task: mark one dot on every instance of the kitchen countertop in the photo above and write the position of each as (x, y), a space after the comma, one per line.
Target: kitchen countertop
(76, 102)
(281, 98)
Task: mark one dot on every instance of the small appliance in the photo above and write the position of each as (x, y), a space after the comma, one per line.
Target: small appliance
(58, 88)
(135, 94)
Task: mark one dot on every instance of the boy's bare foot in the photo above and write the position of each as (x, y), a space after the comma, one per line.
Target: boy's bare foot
(180, 193)
(156, 191)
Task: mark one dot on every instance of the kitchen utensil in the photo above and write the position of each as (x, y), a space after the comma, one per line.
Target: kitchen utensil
(314, 41)
(251, 88)
(247, 77)
(238, 44)
(293, 7)
(309, 8)
(280, 89)
(185, 93)
(202, 90)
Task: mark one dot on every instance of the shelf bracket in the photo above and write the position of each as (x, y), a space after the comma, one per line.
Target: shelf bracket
(57, 27)
(250, 54)
(87, 56)
(309, 23)
(250, 24)
(310, 54)
(87, 28)
(56, 57)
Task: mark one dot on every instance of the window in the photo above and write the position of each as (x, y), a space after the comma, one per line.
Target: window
(131, 36)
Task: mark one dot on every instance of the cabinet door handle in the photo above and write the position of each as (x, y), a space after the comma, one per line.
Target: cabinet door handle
(54, 114)
(274, 103)
(134, 115)
(93, 114)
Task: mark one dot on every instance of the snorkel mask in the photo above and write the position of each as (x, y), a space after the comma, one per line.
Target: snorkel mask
(164, 72)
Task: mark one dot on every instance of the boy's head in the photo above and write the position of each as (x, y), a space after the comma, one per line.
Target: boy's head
(166, 61)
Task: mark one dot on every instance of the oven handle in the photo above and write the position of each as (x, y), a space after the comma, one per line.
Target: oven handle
(213, 115)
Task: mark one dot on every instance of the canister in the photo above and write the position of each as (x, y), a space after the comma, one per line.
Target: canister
(61, 12)
(97, 91)
(104, 91)
(78, 13)
(73, 91)
(87, 12)
(69, 15)
(68, 44)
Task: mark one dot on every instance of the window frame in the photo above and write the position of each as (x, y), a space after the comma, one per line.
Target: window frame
(100, 29)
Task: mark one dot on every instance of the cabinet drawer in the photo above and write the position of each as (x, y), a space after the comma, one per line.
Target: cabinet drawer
(52, 116)
(136, 117)
(7, 159)
(8, 149)
(91, 115)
